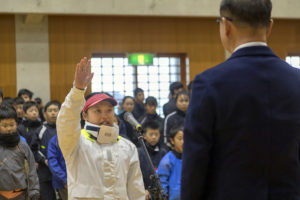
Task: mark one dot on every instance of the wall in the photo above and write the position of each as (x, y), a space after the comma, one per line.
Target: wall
(7, 55)
(32, 57)
(285, 37)
(72, 37)
(192, 8)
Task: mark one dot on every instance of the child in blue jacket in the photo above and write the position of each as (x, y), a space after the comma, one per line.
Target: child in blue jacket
(57, 167)
(169, 169)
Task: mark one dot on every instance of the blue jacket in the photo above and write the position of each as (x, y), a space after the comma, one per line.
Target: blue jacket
(56, 164)
(169, 172)
(242, 130)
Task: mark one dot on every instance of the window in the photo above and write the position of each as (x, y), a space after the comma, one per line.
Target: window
(294, 61)
(112, 74)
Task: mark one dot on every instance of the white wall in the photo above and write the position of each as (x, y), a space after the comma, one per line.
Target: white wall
(282, 8)
(32, 57)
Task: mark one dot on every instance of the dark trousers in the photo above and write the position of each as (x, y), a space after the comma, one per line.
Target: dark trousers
(63, 193)
(47, 191)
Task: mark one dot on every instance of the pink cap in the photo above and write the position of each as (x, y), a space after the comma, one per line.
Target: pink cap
(98, 98)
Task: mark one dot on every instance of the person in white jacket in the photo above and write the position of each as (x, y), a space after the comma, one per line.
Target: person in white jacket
(100, 163)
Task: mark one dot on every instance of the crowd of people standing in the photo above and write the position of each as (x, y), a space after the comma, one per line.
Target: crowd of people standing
(36, 126)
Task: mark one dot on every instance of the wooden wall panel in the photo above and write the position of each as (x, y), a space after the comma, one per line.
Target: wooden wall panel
(285, 37)
(72, 37)
(7, 55)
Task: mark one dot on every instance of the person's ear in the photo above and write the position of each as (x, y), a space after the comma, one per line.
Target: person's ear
(269, 28)
(172, 141)
(84, 115)
(227, 27)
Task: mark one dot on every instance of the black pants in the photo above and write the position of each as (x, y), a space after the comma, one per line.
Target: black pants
(63, 193)
(47, 191)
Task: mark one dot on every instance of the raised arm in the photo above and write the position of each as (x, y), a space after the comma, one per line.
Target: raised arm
(68, 121)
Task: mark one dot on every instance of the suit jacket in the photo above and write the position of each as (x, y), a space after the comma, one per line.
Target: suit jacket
(242, 130)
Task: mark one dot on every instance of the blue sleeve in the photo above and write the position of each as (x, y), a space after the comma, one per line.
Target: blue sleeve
(53, 161)
(23, 139)
(164, 172)
(198, 139)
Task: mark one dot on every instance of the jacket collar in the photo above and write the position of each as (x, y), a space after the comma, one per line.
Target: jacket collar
(31, 124)
(152, 116)
(253, 51)
(179, 112)
(250, 44)
(49, 125)
(177, 155)
(150, 148)
(92, 129)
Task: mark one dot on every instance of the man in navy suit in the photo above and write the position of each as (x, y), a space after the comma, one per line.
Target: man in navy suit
(242, 128)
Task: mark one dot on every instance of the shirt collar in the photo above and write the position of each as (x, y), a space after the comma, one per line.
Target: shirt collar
(250, 44)
(92, 129)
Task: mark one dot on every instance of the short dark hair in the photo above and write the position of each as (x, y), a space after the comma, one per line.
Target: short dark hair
(8, 101)
(138, 90)
(256, 13)
(127, 97)
(151, 101)
(38, 100)
(175, 86)
(26, 92)
(28, 104)
(18, 101)
(150, 124)
(175, 129)
(56, 103)
(1, 93)
(183, 92)
(7, 112)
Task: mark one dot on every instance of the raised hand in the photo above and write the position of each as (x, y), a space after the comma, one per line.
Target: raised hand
(83, 75)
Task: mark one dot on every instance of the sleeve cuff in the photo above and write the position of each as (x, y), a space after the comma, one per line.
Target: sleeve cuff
(78, 91)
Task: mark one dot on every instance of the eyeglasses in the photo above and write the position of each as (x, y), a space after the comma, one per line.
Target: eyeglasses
(219, 20)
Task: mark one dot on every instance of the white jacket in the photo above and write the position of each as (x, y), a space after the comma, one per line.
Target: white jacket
(96, 171)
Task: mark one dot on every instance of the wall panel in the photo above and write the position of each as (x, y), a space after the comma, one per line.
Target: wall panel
(72, 37)
(285, 37)
(7, 55)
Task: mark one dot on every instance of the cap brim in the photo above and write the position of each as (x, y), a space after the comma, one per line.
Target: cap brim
(112, 101)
